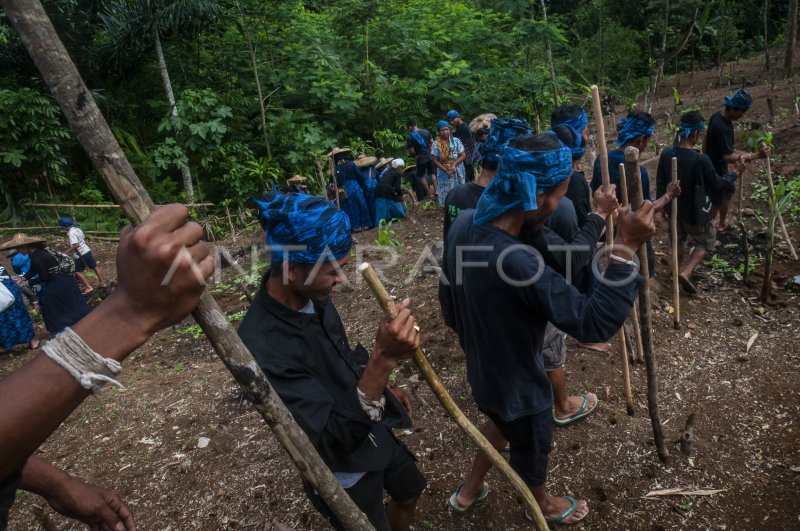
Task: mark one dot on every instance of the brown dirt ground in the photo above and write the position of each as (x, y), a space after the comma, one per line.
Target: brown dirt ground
(142, 441)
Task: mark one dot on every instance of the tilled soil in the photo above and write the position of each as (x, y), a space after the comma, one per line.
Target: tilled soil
(143, 441)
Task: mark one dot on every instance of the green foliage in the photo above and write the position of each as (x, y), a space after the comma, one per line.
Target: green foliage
(386, 235)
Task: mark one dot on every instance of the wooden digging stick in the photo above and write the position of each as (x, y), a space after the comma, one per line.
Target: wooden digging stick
(91, 130)
(673, 227)
(603, 153)
(332, 171)
(438, 388)
(780, 217)
(646, 310)
(626, 370)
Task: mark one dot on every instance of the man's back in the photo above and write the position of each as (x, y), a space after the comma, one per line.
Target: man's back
(615, 158)
(719, 142)
(462, 197)
(692, 166)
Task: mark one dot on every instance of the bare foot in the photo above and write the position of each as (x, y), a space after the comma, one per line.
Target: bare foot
(597, 347)
(34, 344)
(554, 507)
(574, 404)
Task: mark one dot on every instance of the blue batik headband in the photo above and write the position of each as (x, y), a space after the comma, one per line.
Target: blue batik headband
(501, 133)
(307, 221)
(685, 129)
(577, 124)
(630, 128)
(741, 100)
(521, 175)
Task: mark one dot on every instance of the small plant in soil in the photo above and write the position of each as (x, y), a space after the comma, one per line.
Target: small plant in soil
(387, 237)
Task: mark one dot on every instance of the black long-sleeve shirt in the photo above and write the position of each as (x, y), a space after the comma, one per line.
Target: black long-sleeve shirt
(43, 265)
(499, 304)
(692, 166)
(390, 185)
(308, 361)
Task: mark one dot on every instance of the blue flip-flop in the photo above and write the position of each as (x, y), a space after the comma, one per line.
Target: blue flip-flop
(573, 505)
(581, 413)
(452, 502)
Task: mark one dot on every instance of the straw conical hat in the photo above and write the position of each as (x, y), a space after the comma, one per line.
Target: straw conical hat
(363, 162)
(482, 120)
(21, 239)
(296, 179)
(409, 170)
(336, 151)
(383, 162)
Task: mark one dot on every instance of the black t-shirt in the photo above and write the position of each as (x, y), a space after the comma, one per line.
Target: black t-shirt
(692, 166)
(8, 493)
(389, 185)
(422, 152)
(42, 264)
(578, 193)
(463, 133)
(719, 142)
(460, 198)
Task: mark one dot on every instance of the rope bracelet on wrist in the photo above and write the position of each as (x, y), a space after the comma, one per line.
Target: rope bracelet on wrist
(621, 260)
(373, 408)
(91, 370)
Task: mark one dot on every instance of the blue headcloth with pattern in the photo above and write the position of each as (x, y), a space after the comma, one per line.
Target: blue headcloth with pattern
(577, 124)
(521, 175)
(66, 221)
(741, 100)
(501, 133)
(631, 127)
(685, 129)
(442, 123)
(304, 220)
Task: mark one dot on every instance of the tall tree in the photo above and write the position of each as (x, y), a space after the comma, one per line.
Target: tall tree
(132, 25)
(791, 39)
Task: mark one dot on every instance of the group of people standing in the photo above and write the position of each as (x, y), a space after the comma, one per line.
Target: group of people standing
(50, 280)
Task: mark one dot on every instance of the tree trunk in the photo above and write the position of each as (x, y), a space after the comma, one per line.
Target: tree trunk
(791, 39)
(659, 68)
(550, 59)
(92, 131)
(766, 35)
(162, 67)
(252, 50)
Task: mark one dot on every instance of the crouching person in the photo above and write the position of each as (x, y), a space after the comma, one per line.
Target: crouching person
(338, 395)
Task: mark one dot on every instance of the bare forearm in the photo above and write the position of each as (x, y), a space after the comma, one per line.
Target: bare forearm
(375, 377)
(42, 478)
(37, 410)
(661, 203)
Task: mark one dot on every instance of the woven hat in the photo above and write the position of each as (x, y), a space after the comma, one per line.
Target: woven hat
(20, 240)
(336, 151)
(409, 170)
(296, 179)
(383, 162)
(363, 162)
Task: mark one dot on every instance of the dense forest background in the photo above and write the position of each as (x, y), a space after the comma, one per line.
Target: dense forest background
(219, 98)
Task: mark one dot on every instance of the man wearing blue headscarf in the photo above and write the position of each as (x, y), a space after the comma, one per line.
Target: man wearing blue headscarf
(574, 118)
(698, 181)
(338, 395)
(498, 295)
(419, 146)
(718, 146)
(466, 196)
(81, 254)
(634, 130)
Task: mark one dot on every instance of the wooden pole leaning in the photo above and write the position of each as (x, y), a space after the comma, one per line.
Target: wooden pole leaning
(438, 388)
(673, 227)
(784, 232)
(646, 309)
(92, 131)
(606, 177)
(626, 370)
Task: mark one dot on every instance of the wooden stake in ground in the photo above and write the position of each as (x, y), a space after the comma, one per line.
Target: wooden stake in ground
(673, 228)
(90, 128)
(646, 310)
(438, 388)
(626, 371)
(603, 153)
(784, 232)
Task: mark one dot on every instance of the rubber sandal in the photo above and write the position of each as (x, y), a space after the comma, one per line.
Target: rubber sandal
(563, 516)
(581, 413)
(454, 505)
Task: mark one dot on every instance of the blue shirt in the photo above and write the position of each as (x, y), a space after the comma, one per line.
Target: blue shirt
(615, 158)
(501, 326)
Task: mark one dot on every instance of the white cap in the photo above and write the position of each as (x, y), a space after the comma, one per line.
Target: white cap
(397, 163)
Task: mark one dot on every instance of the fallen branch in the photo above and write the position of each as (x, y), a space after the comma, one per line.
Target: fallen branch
(92, 131)
(439, 390)
(680, 491)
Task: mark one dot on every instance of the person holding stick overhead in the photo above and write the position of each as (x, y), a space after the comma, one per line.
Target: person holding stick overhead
(698, 182)
(498, 296)
(718, 146)
(338, 395)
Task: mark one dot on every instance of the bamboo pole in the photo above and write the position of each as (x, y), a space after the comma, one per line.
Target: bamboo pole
(92, 131)
(673, 227)
(626, 370)
(438, 388)
(646, 310)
